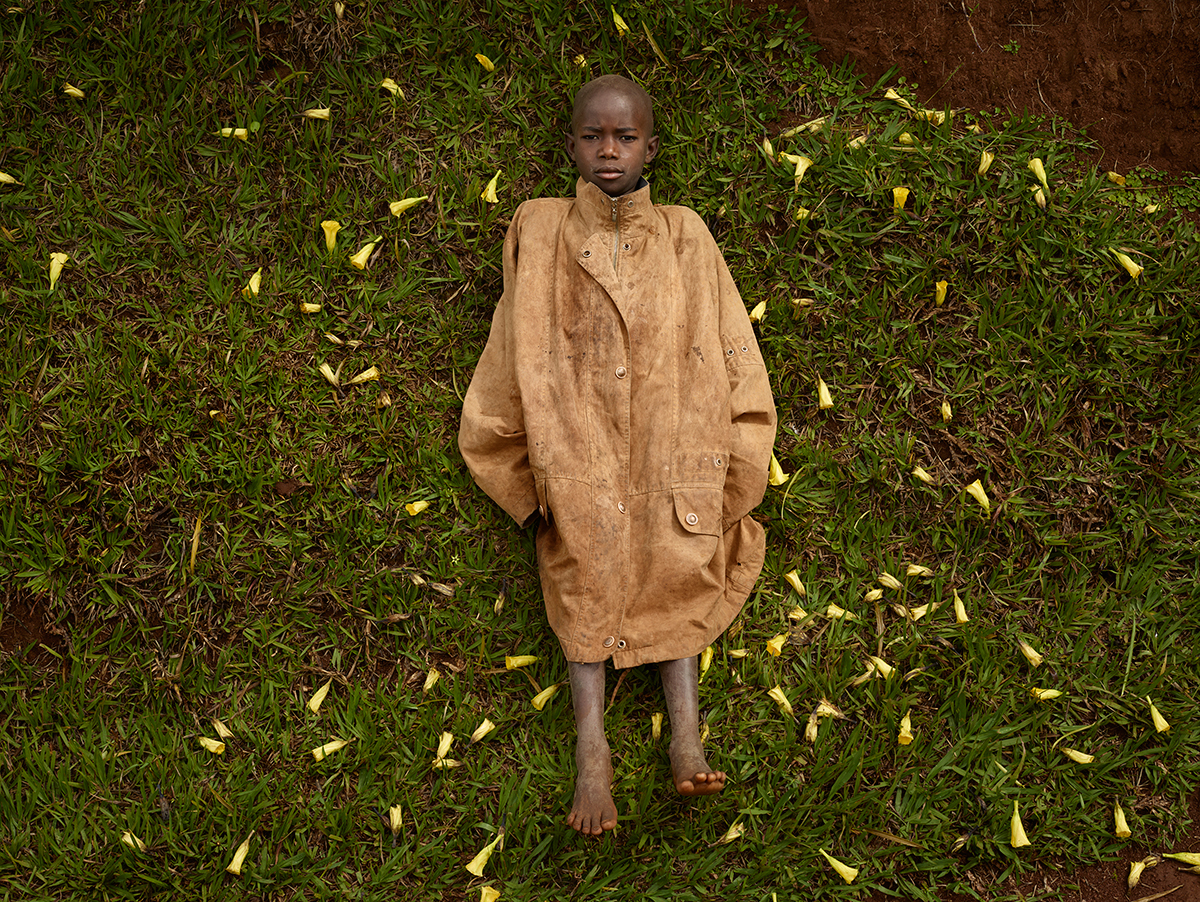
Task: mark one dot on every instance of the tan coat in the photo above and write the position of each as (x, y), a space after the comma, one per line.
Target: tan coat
(622, 395)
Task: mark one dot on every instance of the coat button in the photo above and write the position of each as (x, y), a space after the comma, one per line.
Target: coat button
(692, 519)
(621, 506)
(621, 371)
(608, 642)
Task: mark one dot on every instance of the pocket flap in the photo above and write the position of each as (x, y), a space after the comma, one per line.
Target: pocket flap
(699, 509)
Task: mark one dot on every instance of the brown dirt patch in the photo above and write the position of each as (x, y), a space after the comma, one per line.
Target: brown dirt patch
(27, 630)
(1126, 71)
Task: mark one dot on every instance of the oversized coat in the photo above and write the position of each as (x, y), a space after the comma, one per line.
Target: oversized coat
(621, 394)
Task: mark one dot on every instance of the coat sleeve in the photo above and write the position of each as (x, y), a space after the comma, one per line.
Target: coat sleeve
(491, 436)
(751, 407)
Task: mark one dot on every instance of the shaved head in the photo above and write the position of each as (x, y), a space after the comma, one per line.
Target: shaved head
(615, 84)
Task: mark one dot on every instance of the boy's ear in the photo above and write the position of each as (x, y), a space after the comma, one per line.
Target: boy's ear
(651, 148)
(569, 145)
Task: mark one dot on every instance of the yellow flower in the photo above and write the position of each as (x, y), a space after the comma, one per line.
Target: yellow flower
(580, 60)
(482, 730)
(71, 91)
(335, 745)
(235, 866)
(985, 162)
(222, 731)
(656, 726)
(906, 139)
(737, 653)
(318, 697)
(802, 215)
(431, 678)
(873, 596)
(824, 399)
(844, 871)
(359, 260)
(330, 376)
(1079, 757)
(810, 729)
(793, 579)
(1150, 208)
(975, 490)
(1016, 830)
(252, 287)
(1045, 695)
(1120, 825)
(416, 507)
(1040, 197)
(922, 475)
(317, 114)
(781, 699)
(858, 142)
(395, 819)
(775, 646)
(835, 612)
(939, 292)
(132, 841)
(331, 227)
(947, 412)
(1137, 867)
(217, 748)
(905, 736)
(1126, 261)
(960, 610)
(512, 662)
(56, 264)
(767, 148)
(489, 193)
(1160, 722)
(890, 582)
(802, 164)
(539, 700)
(307, 307)
(759, 311)
(488, 894)
(734, 832)
(388, 85)
(476, 865)
(882, 667)
(370, 374)
(488, 65)
(706, 657)
(399, 206)
(1031, 656)
(918, 570)
(1190, 858)
(899, 199)
(6, 179)
(890, 94)
(775, 474)
(240, 133)
(1116, 178)
(622, 28)
(1036, 167)
(444, 742)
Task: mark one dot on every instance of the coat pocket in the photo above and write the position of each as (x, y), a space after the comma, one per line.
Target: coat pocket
(699, 509)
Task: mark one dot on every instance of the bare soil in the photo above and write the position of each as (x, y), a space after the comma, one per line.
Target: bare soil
(1127, 72)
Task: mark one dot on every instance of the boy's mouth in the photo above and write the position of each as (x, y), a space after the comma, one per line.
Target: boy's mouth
(608, 173)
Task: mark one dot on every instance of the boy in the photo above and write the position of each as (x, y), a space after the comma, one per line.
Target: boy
(621, 403)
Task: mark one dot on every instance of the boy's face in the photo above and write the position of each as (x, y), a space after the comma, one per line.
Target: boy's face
(610, 142)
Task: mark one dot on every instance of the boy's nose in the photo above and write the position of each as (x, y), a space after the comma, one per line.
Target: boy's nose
(608, 149)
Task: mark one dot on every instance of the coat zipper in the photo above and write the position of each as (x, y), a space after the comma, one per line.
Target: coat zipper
(616, 236)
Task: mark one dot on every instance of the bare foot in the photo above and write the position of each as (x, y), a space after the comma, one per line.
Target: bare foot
(593, 811)
(693, 776)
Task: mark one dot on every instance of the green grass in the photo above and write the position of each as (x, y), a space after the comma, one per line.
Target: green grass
(145, 393)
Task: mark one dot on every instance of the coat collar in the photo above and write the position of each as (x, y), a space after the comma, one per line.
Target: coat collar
(634, 211)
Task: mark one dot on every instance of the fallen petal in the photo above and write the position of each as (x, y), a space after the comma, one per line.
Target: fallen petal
(368, 375)
(873, 596)
(899, 198)
(329, 748)
(844, 871)
(706, 657)
(947, 413)
(71, 91)
(488, 894)
(656, 720)
(56, 264)
(431, 678)
(775, 474)
(1031, 656)
(824, 399)
(482, 730)
(331, 227)
(488, 65)
(222, 731)
(905, 736)
(985, 162)
(736, 831)
(539, 700)
(217, 748)
(416, 507)
(918, 570)
(359, 260)
(489, 193)
(975, 490)
(318, 697)
(1160, 722)
(389, 85)
(6, 179)
(775, 646)
(882, 667)
(622, 28)
(1045, 695)
(759, 311)
(395, 819)
(777, 694)
(1036, 167)
(132, 841)
(399, 206)
(308, 307)
(1132, 268)
(444, 742)
(1120, 825)
(889, 582)
(252, 287)
(1079, 757)
(235, 866)
(960, 610)
(939, 292)
(476, 864)
(512, 662)
(1016, 830)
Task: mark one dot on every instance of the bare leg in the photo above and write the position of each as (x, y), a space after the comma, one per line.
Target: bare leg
(593, 811)
(693, 776)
